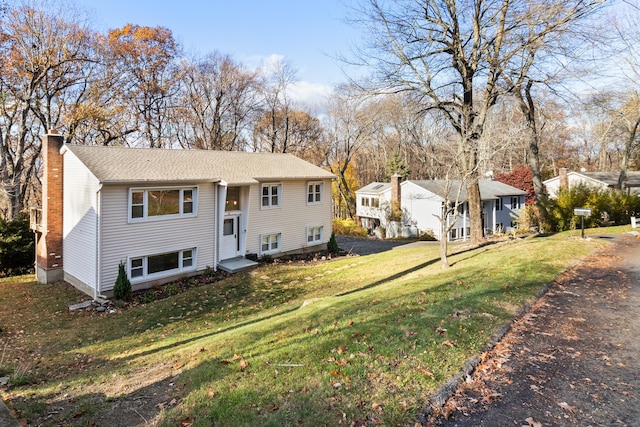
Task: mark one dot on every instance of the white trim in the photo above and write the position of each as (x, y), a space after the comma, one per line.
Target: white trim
(145, 203)
(271, 251)
(165, 273)
(319, 193)
(315, 241)
(270, 195)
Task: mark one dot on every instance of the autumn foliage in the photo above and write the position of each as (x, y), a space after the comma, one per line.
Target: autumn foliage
(520, 177)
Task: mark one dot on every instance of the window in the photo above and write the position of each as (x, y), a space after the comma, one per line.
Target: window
(454, 233)
(161, 264)
(515, 203)
(499, 204)
(271, 195)
(270, 243)
(365, 201)
(233, 199)
(314, 234)
(375, 202)
(158, 203)
(314, 192)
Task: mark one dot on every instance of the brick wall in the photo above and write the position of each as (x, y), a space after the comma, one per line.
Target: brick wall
(49, 247)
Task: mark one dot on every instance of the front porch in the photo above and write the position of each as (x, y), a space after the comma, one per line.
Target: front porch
(237, 264)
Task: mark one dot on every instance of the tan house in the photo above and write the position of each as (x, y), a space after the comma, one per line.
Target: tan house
(168, 214)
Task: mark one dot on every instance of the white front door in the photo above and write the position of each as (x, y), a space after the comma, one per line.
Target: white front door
(229, 243)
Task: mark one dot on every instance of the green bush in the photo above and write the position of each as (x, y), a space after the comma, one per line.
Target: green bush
(348, 227)
(17, 246)
(122, 288)
(332, 246)
(607, 207)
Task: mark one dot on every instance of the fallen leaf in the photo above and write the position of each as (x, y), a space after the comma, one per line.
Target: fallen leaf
(186, 422)
(211, 393)
(532, 423)
(225, 362)
(567, 407)
(243, 364)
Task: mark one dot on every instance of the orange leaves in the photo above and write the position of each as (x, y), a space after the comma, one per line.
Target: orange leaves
(243, 364)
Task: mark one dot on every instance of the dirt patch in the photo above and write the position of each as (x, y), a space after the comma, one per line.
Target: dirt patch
(571, 360)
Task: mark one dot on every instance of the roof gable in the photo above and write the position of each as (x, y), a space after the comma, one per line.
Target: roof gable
(375, 188)
(489, 189)
(121, 165)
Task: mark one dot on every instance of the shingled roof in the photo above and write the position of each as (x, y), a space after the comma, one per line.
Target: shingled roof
(124, 165)
(489, 189)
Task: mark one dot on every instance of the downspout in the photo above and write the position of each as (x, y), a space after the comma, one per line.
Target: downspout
(96, 289)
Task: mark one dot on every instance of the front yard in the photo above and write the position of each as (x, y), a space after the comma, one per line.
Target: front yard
(355, 340)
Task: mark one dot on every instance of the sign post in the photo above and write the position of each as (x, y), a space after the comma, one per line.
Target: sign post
(582, 212)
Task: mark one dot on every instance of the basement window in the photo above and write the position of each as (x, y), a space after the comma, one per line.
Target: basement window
(159, 265)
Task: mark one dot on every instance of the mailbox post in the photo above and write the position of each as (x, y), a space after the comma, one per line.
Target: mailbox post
(582, 212)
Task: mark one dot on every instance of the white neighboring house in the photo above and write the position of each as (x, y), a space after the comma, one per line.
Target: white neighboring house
(168, 214)
(421, 203)
(599, 180)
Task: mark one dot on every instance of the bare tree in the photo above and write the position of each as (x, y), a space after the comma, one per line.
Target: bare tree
(277, 104)
(454, 54)
(217, 100)
(349, 126)
(44, 67)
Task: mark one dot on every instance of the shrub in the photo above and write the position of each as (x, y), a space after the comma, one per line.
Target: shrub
(332, 246)
(17, 246)
(607, 207)
(122, 288)
(427, 235)
(348, 227)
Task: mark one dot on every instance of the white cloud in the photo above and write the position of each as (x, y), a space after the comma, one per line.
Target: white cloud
(309, 93)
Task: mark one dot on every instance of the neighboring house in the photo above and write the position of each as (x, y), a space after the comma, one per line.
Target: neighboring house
(599, 180)
(421, 204)
(168, 214)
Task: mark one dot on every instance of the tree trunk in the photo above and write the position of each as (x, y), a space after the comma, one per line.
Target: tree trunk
(626, 154)
(475, 209)
(444, 243)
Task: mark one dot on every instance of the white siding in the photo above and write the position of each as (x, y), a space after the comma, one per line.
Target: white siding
(291, 219)
(80, 221)
(380, 213)
(421, 207)
(121, 239)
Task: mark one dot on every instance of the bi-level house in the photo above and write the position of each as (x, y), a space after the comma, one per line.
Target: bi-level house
(168, 214)
(421, 203)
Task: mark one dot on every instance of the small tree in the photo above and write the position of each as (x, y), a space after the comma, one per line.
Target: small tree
(332, 246)
(16, 245)
(122, 288)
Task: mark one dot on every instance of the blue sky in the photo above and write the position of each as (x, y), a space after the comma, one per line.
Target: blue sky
(307, 34)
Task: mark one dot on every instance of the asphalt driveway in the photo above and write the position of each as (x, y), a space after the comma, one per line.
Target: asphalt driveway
(572, 360)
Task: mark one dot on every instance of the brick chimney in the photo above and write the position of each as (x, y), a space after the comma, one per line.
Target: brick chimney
(49, 241)
(564, 179)
(395, 192)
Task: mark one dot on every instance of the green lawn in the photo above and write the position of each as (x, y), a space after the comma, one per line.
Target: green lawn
(289, 344)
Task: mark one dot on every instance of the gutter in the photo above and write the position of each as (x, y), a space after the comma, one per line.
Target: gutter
(97, 290)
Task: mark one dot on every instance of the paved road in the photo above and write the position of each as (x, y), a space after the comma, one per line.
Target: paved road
(367, 246)
(572, 360)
